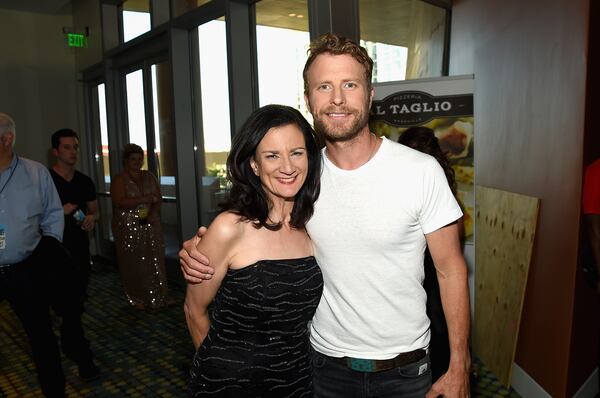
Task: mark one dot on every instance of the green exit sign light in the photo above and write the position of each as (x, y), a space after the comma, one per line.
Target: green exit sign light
(76, 40)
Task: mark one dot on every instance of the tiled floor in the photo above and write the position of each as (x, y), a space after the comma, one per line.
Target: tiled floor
(141, 354)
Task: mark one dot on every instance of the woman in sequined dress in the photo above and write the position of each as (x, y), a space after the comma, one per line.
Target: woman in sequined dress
(253, 342)
(136, 200)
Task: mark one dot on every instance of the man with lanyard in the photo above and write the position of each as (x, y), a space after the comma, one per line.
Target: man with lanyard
(381, 203)
(29, 209)
(78, 197)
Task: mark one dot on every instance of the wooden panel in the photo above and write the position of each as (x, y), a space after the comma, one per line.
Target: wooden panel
(505, 225)
(529, 61)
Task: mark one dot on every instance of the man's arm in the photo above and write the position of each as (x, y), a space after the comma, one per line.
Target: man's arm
(52, 221)
(452, 273)
(69, 208)
(195, 265)
(92, 215)
(593, 226)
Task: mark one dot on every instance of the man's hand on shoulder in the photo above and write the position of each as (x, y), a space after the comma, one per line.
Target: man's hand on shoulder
(194, 265)
(454, 383)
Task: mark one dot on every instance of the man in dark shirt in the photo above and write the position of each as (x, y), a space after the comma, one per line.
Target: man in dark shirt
(78, 197)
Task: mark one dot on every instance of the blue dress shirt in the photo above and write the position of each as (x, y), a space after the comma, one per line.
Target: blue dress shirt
(29, 207)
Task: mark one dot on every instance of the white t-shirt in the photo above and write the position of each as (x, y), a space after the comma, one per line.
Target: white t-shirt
(368, 232)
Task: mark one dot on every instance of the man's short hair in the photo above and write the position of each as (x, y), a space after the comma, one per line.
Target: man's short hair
(7, 124)
(337, 45)
(62, 133)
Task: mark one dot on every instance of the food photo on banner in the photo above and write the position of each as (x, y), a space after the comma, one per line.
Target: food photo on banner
(446, 106)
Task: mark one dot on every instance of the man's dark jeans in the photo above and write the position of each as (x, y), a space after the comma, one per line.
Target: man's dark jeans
(334, 380)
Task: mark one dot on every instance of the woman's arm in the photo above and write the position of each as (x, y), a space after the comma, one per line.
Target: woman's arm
(154, 214)
(119, 196)
(219, 244)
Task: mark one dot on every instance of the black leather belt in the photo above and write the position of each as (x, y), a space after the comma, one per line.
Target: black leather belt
(379, 365)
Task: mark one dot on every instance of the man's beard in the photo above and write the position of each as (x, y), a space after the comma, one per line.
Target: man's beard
(333, 133)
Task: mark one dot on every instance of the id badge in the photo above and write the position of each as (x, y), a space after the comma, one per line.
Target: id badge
(2, 236)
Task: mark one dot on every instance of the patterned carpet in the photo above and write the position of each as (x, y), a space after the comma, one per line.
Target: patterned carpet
(140, 353)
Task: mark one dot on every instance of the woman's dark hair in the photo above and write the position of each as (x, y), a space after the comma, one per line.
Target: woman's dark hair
(247, 197)
(424, 140)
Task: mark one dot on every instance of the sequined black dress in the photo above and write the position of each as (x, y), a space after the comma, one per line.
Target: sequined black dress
(258, 344)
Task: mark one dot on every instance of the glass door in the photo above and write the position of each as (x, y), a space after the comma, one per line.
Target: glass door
(214, 132)
(136, 111)
(101, 165)
(149, 121)
(164, 153)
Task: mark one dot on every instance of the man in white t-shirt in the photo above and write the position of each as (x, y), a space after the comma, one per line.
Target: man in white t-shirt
(381, 203)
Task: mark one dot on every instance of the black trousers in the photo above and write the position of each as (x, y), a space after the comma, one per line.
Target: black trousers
(20, 285)
(66, 275)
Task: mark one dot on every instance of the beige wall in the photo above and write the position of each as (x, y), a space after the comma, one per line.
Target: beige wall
(37, 79)
(86, 14)
(529, 61)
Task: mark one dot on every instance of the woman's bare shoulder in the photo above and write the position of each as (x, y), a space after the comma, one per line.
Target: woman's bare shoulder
(227, 227)
(222, 239)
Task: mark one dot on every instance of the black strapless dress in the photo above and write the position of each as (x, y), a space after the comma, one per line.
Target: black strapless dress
(258, 343)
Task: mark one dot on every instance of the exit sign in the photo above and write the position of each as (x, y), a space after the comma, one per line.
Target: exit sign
(76, 40)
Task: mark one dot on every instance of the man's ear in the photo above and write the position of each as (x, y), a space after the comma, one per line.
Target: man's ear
(8, 138)
(307, 102)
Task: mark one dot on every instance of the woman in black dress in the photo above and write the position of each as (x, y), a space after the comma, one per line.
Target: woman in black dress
(253, 341)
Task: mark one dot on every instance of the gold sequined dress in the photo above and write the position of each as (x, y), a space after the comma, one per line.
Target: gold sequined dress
(140, 247)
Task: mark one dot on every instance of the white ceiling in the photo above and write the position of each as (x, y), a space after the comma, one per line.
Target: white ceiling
(53, 7)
